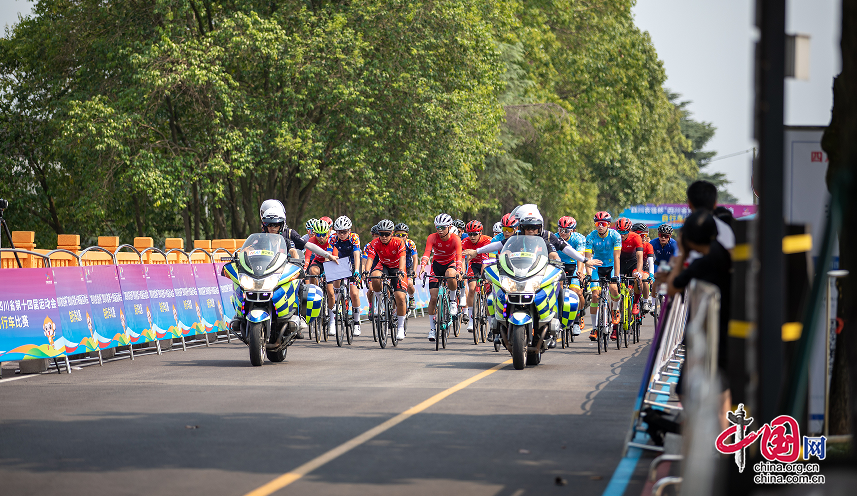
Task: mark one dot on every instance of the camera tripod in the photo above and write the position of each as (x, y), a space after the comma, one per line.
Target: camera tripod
(5, 228)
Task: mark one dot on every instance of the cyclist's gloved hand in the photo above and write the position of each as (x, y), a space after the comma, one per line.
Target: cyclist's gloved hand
(400, 273)
(614, 280)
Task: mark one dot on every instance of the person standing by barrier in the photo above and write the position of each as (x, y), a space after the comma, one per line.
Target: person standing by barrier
(699, 234)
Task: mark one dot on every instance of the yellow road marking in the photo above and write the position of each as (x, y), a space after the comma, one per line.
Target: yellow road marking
(289, 477)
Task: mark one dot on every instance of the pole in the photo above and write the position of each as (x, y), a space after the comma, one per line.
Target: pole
(770, 291)
(832, 275)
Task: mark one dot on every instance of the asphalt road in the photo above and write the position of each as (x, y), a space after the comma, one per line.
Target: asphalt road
(206, 422)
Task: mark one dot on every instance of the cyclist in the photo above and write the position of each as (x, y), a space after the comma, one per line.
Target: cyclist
(402, 230)
(664, 247)
(389, 259)
(475, 239)
(630, 259)
(498, 228)
(648, 264)
(566, 227)
(446, 247)
(605, 244)
(314, 266)
(308, 227)
(273, 216)
(347, 244)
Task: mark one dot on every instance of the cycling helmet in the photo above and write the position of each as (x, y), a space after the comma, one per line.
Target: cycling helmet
(320, 227)
(529, 216)
(402, 227)
(498, 228)
(509, 220)
(374, 229)
(269, 204)
(308, 224)
(623, 224)
(386, 225)
(459, 224)
(473, 226)
(328, 220)
(567, 222)
(342, 223)
(640, 228)
(442, 220)
(602, 217)
(665, 229)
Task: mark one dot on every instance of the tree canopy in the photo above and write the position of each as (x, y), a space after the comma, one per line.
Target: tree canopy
(179, 117)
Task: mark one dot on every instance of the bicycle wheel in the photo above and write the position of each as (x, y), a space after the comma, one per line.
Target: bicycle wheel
(349, 322)
(440, 320)
(483, 319)
(476, 319)
(627, 328)
(339, 321)
(381, 325)
(314, 327)
(392, 320)
(599, 323)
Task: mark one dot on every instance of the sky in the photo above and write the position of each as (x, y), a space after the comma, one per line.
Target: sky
(707, 51)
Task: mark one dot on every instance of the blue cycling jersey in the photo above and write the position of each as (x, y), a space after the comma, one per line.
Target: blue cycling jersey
(663, 253)
(576, 241)
(603, 248)
(410, 251)
(346, 248)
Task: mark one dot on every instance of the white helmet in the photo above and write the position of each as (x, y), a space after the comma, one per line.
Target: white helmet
(528, 215)
(442, 220)
(498, 228)
(454, 230)
(268, 205)
(342, 223)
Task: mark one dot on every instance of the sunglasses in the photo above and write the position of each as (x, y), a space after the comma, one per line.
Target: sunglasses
(665, 236)
(624, 232)
(602, 224)
(344, 231)
(439, 229)
(401, 235)
(474, 234)
(385, 234)
(565, 230)
(508, 230)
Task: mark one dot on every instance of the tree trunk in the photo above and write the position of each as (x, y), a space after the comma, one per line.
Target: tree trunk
(195, 188)
(187, 231)
(138, 215)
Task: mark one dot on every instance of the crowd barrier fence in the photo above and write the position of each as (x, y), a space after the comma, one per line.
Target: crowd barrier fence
(82, 305)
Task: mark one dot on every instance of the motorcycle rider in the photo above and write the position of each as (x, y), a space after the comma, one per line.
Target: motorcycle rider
(273, 217)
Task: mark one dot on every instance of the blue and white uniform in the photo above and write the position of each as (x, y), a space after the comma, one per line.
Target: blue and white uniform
(577, 241)
(603, 248)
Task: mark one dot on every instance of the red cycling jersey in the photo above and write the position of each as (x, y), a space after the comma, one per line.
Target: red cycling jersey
(648, 250)
(632, 244)
(469, 244)
(388, 254)
(445, 252)
(325, 245)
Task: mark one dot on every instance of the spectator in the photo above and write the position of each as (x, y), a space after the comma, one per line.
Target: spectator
(703, 195)
(714, 265)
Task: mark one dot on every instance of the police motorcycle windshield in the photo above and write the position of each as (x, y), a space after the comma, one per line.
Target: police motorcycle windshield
(262, 254)
(524, 256)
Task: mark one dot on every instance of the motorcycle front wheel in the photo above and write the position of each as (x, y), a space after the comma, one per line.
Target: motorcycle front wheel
(257, 344)
(519, 346)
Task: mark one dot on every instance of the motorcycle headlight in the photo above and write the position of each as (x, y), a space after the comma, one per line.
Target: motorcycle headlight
(266, 284)
(510, 285)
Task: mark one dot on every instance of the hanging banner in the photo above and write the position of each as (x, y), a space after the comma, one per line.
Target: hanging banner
(163, 316)
(105, 301)
(675, 213)
(29, 317)
(137, 317)
(75, 312)
(211, 308)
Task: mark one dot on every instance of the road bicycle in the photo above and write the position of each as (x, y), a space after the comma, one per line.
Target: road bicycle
(320, 325)
(342, 312)
(385, 319)
(480, 308)
(444, 320)
(567, 332)
(603, 323)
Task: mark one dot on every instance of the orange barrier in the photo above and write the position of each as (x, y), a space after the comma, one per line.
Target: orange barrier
(109, 251)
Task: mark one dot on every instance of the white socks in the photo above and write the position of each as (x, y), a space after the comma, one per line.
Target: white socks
(401, 321)
(469, 312)
(431, 322)
(593, 318)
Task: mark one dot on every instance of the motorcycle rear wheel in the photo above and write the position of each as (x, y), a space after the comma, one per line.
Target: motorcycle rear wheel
(519, 346)
(257, 344)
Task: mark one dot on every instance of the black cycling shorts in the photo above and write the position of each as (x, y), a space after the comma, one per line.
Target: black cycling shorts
(398, 284)
(438, 269)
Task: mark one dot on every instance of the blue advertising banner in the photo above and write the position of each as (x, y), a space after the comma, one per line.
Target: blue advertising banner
(226, 292)
(29, 317)
(105, 301)
(162, 299)
(187, 304)
(137, 316)
(211, 308)
(76, 321)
